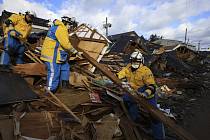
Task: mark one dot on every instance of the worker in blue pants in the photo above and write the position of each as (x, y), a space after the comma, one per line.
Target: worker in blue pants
(141, 79)
(57, 73)
(16, 30)
(12, 47)
(55, 52)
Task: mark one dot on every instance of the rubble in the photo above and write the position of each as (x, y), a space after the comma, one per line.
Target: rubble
(93, 108)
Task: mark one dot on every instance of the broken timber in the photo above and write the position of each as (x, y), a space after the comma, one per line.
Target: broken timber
(64, 106)
(179, 131)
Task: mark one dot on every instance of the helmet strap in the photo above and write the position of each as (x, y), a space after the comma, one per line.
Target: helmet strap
(134, 67)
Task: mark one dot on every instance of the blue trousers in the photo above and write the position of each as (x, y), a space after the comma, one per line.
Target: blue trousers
(56, 72)
(133, 110)
(12, 48)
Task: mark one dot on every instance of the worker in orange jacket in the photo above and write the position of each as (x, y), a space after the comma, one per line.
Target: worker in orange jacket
(141, 79)
(16, 30)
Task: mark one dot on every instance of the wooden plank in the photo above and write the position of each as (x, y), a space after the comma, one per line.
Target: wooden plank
(34, 56)
(92, 48)
(30, 57)
(40, 125)
(74, 99)
(6, 128)
(94, 40)
(179, 131)
(30, 69)
(64, 106)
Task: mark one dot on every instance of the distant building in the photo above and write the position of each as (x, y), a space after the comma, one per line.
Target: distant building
(125, 43)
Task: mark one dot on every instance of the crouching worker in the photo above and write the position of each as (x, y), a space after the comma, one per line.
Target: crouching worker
(141, 79)
(16, 30)
(55, 52)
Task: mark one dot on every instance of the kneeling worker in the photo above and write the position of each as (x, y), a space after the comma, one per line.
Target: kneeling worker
(141, 79)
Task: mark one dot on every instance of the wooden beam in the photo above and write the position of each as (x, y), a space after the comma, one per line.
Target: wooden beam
(93, 40)
(30, 69)
(64, 106)
(179, 131)
(34, 56)
(84, 71)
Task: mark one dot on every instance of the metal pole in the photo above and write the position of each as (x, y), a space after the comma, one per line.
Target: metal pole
(185, 39)
(199, 43)
(106, 26)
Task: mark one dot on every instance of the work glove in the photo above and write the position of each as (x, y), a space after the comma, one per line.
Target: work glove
(79, 54)
(13, 33)
(126, 85)
(75, 52)
(143, 94)
(11, 27)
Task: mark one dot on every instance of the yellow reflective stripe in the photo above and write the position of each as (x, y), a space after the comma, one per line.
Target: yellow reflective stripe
(151, 96)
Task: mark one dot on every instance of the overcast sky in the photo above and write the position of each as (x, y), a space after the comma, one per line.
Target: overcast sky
(168, 18)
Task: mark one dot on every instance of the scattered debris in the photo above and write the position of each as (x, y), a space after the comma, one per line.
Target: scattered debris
(93, 108)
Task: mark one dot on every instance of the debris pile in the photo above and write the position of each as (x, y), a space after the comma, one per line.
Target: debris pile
(93, 108)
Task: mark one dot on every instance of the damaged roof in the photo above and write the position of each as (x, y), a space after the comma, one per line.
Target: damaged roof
(166, 42)
(123, 40)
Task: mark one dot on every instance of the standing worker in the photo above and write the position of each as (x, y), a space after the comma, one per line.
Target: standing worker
(140, 78)
(16, 30)
(55, 52)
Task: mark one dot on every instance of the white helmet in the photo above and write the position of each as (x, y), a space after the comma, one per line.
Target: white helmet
(136, 59)
(33, 13)
(50, 23)
(137, 56)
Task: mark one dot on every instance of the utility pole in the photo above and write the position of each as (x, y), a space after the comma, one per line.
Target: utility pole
(106, 26)
(185, 39)
(199, 43)
(187, 42)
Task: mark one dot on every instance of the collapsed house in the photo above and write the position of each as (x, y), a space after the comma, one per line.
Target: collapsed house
(93, 108)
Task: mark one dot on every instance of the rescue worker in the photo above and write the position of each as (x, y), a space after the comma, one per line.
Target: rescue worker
(140, 78)
(55, 52)
(16, 30)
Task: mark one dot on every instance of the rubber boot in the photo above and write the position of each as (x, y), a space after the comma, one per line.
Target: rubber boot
(65, 86)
